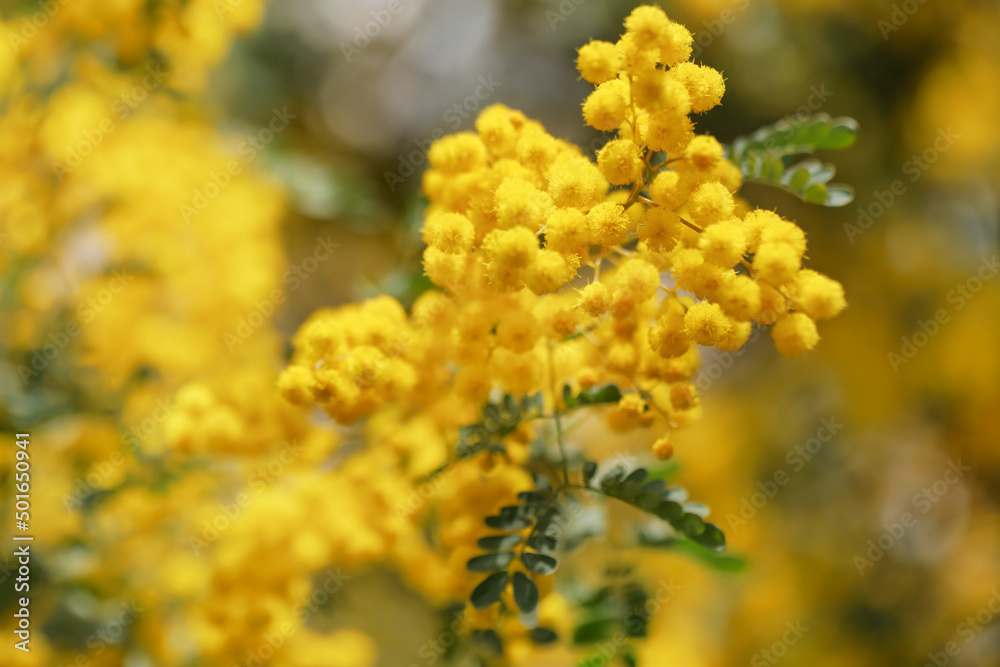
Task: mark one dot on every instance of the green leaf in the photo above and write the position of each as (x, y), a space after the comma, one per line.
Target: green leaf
(613, 478)
(637, 476)
(799, 178)
(498, 542)
(647, 500)
(815, 194)
(539, 563)
(533, 497)
(525, 592)
(767, 156)
(490, 562)
(589, 470)
(507, 522)
(711, 538)
(489, 590)
(592, 631)
(540, 542)
(606, 394)
(843, 133)
(692, 525)
(544, 636)
(670, 511)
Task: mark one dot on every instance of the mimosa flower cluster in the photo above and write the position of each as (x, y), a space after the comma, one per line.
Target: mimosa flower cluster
(645, 252)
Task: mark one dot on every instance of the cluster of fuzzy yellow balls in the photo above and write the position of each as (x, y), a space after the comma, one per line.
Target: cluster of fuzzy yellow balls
(558, 269)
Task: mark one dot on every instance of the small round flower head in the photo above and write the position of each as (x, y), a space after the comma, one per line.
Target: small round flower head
(794, 334)
(660, 228)
(607, 106)
(777, 263)
(740, 297)
(662, 449)
(675, 47)
(620, 161)
(666, 191)
(449, 232)
(705, 323)
(783, 231)
(818, 297)
(637, 57)
(773, 304)
(599, 61)
(656, 91)
(704, 152)
(498, 127)
(669, 130)
(684, 262)
(536, 148)
(517, 331)
(519, 203)
(576, 183)
(513, 248)
(755, 222)
(457, 153)
(724, 243)
(710, 203)
(608, 224)
(737, 337)
(444, 269)
(667, 337)
(566, 231)
(704, 84)
(548, 272)
(637, 278)
(595, 299)
(649, 25)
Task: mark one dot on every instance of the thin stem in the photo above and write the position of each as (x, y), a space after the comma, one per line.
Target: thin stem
(555, 414)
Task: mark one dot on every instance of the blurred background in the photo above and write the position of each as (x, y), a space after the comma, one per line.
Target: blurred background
(326, 108)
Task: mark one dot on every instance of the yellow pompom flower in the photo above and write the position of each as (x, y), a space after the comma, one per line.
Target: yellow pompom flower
(498, 128)
(607, 106)
(666, 191)
(517, 331)
(662, 449)
(519, 203)
(576, 182)
(457, 153)
(704, 152)
(567, 231)
(740, 297)
(595, 299)
(794, 334)
(755, 222)
(705, 323)
(649, 25)
(660, 228)
(548, 272)
(777, 263)
(608, 224)
(620, 161)
(598, 61)
(783, 231)
(710, 203)
(817, 296)
(675, 46)
(448, 232)
(704, 84)
(723, 244)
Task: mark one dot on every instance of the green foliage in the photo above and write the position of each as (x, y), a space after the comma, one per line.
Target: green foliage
(665, 503)
(769, 155)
